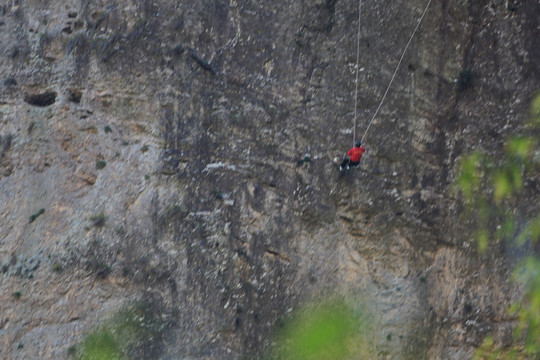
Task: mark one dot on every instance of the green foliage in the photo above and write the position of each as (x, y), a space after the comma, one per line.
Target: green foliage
(508, 179)
(482, 237)
(527, 313)
(56, 267)
(101, 345)
(489, 188)
(521, 148)
(531, 232)
(535, 111)
(36, 215)
(488, 351)
(98, 220)
(470, 175)
(108, 129)
(528, 273)
(493, 188)
(100, 164)
(16, 295)
(72, 350)
(328, 330)
(119, 337)
(144, 148)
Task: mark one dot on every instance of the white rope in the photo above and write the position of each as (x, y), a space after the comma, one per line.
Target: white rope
(357, 66)
(395, 71)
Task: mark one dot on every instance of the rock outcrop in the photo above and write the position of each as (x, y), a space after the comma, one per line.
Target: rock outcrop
(182, 151)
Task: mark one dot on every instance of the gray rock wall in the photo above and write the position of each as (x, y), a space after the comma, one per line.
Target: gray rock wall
(166, 143)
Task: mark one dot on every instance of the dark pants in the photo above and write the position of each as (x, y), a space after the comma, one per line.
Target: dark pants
(349, 162)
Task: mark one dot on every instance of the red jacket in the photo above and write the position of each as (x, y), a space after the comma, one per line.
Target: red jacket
(356, 153)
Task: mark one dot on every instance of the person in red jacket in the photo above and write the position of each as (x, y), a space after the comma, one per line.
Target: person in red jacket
(355, 154)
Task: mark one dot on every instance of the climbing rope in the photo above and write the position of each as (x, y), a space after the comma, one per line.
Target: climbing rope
(393, 76)
(357, 61)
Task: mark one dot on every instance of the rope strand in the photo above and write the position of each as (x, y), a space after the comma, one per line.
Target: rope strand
(357, 61)
(395, 71)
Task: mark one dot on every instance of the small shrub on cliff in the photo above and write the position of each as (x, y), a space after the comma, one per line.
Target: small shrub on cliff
(56, 267)
(72, 350)
(101, 269)
(33, 217)
(98, 220)
(100, 164)
(132, 333)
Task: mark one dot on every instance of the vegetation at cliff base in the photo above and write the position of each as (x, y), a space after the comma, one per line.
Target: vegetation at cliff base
(330, 329)
(101, 345)
(129, 334)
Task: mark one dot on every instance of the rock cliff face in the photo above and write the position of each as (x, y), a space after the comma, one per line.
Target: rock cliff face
(182, 152)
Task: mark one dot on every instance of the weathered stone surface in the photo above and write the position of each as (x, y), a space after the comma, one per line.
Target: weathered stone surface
(171, 162)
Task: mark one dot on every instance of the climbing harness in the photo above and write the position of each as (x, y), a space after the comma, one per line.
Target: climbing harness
(393, 76)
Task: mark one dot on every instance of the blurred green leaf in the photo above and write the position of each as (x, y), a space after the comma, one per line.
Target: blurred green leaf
(514, 308)
(503, 186)
(504, 181)
(507, 229)
(531, 232)
(528, 270)
(470, 175)
(535, 110)
(326, 331)
(482, 237)
(528, 273)
(101, 345)
(520, 147)
(116, 337)
(517, 178)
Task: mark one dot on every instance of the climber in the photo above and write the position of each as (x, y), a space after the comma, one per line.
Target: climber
(355, 154)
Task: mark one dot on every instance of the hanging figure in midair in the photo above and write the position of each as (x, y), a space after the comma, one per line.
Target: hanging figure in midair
(355, 154)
